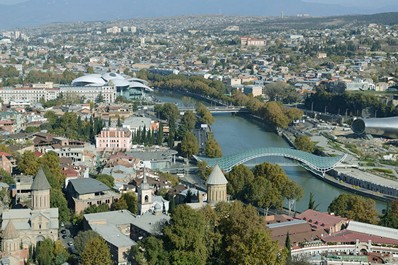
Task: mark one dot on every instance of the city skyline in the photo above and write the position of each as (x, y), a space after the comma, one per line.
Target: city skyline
(22, 13)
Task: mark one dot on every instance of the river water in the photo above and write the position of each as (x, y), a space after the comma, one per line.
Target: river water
(236, 134)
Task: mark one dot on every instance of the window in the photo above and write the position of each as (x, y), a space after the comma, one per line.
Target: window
(146, 198)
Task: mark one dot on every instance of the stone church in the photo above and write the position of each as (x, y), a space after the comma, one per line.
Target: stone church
(22, 228)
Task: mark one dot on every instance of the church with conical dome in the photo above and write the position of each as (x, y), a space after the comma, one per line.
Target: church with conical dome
(216, 186)
(22, 228)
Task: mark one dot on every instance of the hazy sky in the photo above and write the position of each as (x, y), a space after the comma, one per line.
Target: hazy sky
(10, 2)
(365, 3)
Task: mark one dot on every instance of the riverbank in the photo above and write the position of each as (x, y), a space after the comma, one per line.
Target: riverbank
(239, 132)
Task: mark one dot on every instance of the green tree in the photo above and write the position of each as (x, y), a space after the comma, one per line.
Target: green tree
(203, 170)
(170, 112)
(204, 114)
(82, 238)
(90, 70)
(189, 145)
(97, 209)
(96, 252)
(132, 202)
(106, 179)
(185, 236)
(61, 255)
(288, 246)
(212, 148)
(244, 237)
(311, 202)
(119, 122)
(121, 204)
(150, 251)
(273, 113)
(28, 163)
(51, 166)
(390, 217)
(263, 194)
(44, 252)
(239, 179)
(99, 98)
(304, 143)
(354, 207)
(159, 138)
(187, 123)
(58, 200)
(6, 177)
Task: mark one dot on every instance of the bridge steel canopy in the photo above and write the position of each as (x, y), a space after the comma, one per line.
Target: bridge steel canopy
(319, 164)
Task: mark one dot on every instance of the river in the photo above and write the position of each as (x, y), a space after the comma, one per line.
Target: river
(235, 134)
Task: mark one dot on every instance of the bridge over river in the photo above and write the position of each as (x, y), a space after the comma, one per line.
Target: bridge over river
(219, 109)
(319, 164)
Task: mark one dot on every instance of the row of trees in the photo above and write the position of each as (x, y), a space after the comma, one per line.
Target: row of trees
(72, 126)
(265, 186)
(230, 234)
(362, 209)
(273, 112)
(350, 103)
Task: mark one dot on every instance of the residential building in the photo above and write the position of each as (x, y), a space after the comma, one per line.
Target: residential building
(91, 93)
(85, 192)
(27, 94)
(114, 228)
(114, 139)
(252, 42)
(253, 90)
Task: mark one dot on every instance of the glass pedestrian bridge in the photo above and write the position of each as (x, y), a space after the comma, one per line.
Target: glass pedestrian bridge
(320, 164)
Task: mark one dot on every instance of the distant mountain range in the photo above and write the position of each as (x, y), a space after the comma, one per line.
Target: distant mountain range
(37, 12)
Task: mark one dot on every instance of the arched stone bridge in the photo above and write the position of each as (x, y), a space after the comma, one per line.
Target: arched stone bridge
(319, 164)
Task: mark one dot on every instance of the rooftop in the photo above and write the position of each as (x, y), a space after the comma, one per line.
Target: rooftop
(216, 177)
(88, 185)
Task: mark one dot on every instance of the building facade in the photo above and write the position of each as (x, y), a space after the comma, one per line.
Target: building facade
(26, 227)
(114, 139)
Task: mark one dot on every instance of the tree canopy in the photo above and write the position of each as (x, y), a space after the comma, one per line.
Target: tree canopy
(212, 148)
(354, 207)
(304, 143)
(189, 145)
(96, 252)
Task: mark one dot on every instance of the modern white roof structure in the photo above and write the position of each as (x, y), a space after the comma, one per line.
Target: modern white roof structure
(110, 79)
(216, 177)
(374, 230)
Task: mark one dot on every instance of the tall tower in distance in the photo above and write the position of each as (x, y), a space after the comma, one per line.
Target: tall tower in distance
(282, 15)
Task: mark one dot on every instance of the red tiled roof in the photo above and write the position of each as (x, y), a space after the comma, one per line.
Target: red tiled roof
(346, 236)
(5, 154)
(320, 219)
(38, 154)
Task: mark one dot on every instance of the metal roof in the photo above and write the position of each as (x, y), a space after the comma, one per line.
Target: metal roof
(216, 177)
(288, 223)
(88, 185)
(40, 182)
